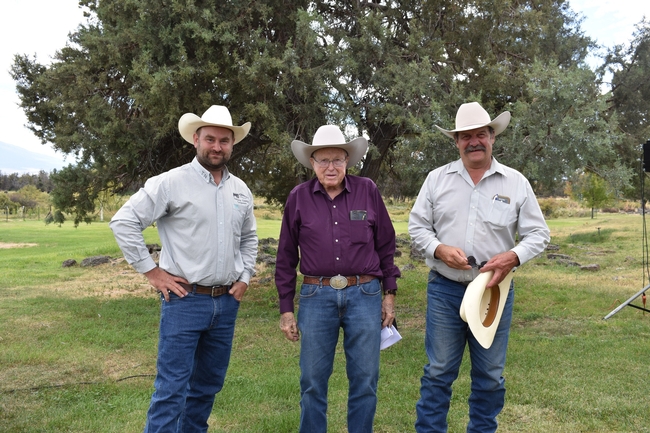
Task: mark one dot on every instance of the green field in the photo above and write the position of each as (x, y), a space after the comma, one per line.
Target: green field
(78, 345)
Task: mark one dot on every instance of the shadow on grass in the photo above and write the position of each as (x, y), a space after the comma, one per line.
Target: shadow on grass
(596, 237)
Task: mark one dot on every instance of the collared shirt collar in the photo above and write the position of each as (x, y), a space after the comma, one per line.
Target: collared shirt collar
(205, 174)
(319, 186)
(495, 167)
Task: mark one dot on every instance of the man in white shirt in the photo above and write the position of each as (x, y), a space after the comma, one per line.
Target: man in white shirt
(207, 229)
(470, 208)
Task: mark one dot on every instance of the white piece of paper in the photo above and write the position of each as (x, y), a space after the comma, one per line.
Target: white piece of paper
(389, 336)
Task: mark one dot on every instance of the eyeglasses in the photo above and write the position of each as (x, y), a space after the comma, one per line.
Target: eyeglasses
(324, 163)
(471, 260)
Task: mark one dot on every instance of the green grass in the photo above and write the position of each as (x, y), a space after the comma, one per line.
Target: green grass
(78, 345)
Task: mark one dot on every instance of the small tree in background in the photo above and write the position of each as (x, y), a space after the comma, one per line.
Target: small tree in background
(591, 190)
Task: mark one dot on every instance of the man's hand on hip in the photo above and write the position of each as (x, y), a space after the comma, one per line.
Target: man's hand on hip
(165, 282)
(238, 289)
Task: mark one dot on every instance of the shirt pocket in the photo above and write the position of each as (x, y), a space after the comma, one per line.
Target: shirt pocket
(360, 232)
(238, 217)
(500, 213)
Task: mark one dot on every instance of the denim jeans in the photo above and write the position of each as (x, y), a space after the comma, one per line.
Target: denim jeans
(446, 337)
(196, 335)
(323, 311)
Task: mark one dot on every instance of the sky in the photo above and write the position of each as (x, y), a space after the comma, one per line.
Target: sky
(41, 27)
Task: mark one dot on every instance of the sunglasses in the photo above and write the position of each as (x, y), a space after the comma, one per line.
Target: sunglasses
(471, 260)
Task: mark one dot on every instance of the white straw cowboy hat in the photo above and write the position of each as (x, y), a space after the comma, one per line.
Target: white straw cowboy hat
(217, 115)
(329, 136)
(472, 116)
(482, 307)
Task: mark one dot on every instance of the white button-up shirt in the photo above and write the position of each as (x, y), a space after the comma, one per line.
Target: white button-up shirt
(208, 231)
(481, 219)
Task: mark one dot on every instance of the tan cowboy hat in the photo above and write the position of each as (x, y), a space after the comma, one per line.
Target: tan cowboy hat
(472, 116)
(217, 115)
(329, 136)
(482, 307)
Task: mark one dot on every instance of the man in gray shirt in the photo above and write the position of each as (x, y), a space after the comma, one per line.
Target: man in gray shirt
(470, 208)
(208, 233)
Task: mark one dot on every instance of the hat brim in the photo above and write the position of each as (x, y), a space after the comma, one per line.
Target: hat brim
(478, 306)
(499, 124)
(356, 150)
(190, 122)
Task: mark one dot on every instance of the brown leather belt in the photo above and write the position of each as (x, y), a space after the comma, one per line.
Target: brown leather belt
(338, 281)
(205, 290)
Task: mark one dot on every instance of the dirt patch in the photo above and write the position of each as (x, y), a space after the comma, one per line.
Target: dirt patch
(5, 245)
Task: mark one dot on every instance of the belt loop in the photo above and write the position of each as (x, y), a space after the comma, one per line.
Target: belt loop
(194, 289)
(358, 280)
(320, 281)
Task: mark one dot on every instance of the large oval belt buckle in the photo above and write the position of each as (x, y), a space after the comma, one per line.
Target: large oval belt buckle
(338, 282)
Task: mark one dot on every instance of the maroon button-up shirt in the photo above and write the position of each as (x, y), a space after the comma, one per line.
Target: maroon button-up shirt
(351, 234)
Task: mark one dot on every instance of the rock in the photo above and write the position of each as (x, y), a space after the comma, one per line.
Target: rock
(592, 267)
(266, 259)
(268, 241)
(552, 247)
(69, 263)
(402, 240)
(416, 254)
(566, 262)
(398, 253)
(408, 267)
(153, 248)
(558, 256)
(267, 249)
(95, 261)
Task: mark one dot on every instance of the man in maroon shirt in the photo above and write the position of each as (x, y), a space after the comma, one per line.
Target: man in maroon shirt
(337, 226)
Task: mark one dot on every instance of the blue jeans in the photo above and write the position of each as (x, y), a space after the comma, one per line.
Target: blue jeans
(446, 337)
(196, 335)
(323, 311)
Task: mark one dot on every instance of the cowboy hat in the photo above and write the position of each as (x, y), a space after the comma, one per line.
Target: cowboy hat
(329, 136)
(482, 307)
(472, 116)
(217, 115)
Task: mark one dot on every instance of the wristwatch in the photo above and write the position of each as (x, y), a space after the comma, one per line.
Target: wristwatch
(390, 292)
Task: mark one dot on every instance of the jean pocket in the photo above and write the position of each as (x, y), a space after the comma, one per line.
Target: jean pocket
(433, 275)
(307, 290)
(371, 288)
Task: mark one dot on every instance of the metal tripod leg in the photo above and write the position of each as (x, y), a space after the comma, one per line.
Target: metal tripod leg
(620, 307)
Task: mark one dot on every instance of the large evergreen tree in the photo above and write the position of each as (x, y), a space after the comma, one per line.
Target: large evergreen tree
(629, 67)
(387, 69)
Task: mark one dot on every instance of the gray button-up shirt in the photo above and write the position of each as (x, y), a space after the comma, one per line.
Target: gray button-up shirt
(208, 231)
(481, 219)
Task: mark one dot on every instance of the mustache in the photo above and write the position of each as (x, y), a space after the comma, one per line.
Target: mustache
(469, 149)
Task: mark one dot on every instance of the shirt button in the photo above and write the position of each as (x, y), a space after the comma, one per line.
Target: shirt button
(337, 258)
(336, 240)
(334, 206)
(335, 223)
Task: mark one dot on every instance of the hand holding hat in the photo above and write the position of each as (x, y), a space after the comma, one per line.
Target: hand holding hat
(482, 306)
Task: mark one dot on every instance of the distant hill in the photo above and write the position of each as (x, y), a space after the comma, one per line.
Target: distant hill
(14, 159)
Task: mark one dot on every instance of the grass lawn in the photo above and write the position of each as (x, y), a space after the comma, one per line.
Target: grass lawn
(78, 345)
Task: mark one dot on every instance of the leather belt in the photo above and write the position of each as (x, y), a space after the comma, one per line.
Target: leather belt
(339, 281)
(206, 290)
